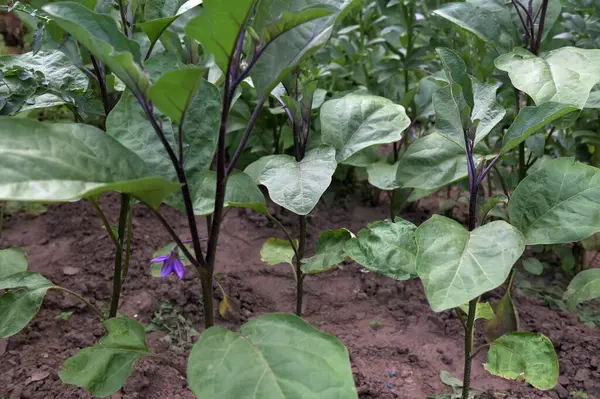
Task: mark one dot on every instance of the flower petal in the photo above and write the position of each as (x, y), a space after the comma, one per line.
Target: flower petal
(167, 268)
(161, 258)
(179, 268)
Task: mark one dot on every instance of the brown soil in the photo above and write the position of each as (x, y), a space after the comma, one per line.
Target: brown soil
(413, 344)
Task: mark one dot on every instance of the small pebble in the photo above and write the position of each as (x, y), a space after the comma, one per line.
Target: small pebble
(392, 374)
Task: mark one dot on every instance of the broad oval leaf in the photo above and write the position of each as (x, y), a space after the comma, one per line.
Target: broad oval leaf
(482, 311)
(456, 72)
(104, 368)
(12, 260)
(296, 186)
(331, 251)
(524, 355)
(584, 287)
(431, 162)
(530, 120)
(33, 164)
(386, 247)
(100, 34)
(357, 121)
(383, 175)
(565, 76)
(218, 26)
(489, 20)
(21, 303)
(275, 251)
(558, 203)
(275, 356)
(457, 266)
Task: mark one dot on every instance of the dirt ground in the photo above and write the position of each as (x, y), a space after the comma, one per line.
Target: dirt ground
(401, 359)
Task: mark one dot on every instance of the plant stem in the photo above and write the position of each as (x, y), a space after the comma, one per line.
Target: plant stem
(82, 299)
(101, 76)
(122, 11)
(299, 274)
(128, 244)
(287, 234)
(118, 274)
(246, 136)
(538, 41)
(2, 205)
(106, 223)
(469, 338)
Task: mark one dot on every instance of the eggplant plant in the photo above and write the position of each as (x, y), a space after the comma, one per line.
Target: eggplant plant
(163, 142)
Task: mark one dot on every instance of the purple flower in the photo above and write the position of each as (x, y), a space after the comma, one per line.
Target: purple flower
(171, 264)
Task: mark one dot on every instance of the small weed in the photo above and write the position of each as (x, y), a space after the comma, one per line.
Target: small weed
(180, 332)
(376, 324)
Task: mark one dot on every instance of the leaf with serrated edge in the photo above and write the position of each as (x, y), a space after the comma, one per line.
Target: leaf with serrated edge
(331, 251)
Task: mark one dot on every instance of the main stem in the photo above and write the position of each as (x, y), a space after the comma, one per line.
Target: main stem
(118, 274)
(469, 338)
(300, 255)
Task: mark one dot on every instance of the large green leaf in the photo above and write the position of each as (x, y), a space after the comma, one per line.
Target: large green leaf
(383, 175)
(564, 76)
(486, 113)
(386, 247)
(524, 355)
(489, 20)
(159, 14)
(358, 121)
(530, 120)
(103, 368)
(431, 162)
(584, 287)
(331, 251)
(57, 69)
(100, 34)
(218, 26)
(275, 251)
(558, 203)
(276, 356)
(57, 162)
(295, 45)
(457, 266)
(296, 186)
(12, 260)
(21, 303)
(273, 18)
(174, 91)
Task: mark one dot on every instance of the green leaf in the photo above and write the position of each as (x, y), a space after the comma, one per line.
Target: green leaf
(331, 251)
(276, 251)
(100, 34)
(533, 266)
(383, 175)
(486, 113)
(34, 167)
(273, 18)
(530, 120)
(296, 186)
(488, 20)
(505, 321)
(289, 49)
(174, 91)
(558, 203)
(431, 162)
(386, 247)
(457, 266)
(12, 260)
(159, 14)
(490, 203)
(355, 122)
(452, 114)
(57, 69)
(565, 76)
(456, 72)
(104, 368)
(279, 357)
(241, 192)
(483, 311)
(584, 287)
(218, 26)
(523, 355)
(21, 303)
